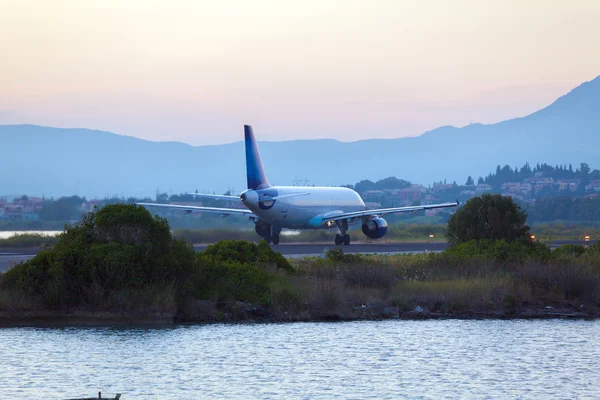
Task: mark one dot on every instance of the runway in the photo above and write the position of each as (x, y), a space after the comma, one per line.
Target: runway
(10, 257)
(317, 249)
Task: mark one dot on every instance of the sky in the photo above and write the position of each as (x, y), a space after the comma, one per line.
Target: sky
(196, 71)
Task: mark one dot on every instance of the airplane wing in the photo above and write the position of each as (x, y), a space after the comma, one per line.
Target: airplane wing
(384, 211)
(190, 209)
(214, 196)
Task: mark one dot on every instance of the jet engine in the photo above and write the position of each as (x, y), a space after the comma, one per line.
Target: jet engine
(375, 228)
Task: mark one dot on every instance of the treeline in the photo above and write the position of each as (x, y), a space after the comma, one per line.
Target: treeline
(507, 174)
(386, 183)
(565, 208)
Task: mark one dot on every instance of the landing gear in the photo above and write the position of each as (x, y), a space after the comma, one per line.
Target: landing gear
(275, 234)
(342, 237)
(346, 239)
(339, 239)
(265, 231)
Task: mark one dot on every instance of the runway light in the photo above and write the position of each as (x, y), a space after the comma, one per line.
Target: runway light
(430, 236)
(532, 237)
(586, 238)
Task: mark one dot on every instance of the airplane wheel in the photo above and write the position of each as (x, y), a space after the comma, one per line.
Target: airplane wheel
(346, 239)
(338, 239)
(275, 239)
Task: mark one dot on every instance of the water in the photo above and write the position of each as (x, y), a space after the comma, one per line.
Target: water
(8, 234)
(359, 360)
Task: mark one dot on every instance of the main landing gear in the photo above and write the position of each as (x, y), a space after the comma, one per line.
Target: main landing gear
(342, 238)
(275, 236)
(267, 232)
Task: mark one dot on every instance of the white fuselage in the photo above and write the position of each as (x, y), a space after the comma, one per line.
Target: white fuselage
(305, 210)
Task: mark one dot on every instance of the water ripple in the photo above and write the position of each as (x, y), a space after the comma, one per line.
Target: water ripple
(357, 360)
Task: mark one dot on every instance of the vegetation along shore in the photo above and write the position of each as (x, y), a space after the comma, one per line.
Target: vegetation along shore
(121, 264)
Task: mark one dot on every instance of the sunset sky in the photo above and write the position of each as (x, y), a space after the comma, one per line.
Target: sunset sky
(196, 71)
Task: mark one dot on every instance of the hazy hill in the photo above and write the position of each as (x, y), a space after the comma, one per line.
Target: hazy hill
(53, 162)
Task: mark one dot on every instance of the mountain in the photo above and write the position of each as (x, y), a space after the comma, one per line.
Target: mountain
(53, 162)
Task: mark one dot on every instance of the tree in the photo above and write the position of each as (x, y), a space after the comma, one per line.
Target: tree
(469, 181)
(489, 216)
(117, 248)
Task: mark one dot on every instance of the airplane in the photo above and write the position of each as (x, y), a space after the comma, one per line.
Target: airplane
(273, 208)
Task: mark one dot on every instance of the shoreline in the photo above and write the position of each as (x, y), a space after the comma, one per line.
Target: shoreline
(84, 318)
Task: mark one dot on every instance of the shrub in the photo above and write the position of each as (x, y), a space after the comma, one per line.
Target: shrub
(488, 217)
(28, 240)
(499, 251)
(115, 248)
(245, 252)
(338, 256)
(237, 270)
(572, 250)
(231, 281)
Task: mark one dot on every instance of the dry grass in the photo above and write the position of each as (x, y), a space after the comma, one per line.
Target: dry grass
(451, 295)
(150, 299)
(12, 300)
(444, 284)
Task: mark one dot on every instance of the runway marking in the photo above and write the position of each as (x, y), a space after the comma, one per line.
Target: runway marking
(383, 253)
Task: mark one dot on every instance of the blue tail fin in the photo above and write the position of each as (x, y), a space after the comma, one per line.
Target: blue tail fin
(254, 168)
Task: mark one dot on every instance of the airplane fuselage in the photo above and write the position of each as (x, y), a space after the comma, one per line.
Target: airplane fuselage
(305, 207)
(273, 208)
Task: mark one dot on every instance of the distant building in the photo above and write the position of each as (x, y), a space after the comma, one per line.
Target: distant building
(410, 194)
(526, 188)
(440, 187)
(373, 195)
(371, 205)
(564, 185)
(483, 188)
(594, 186)
(13, 212)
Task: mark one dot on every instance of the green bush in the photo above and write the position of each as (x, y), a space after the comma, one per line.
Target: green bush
(569, 250)
(338, 256)
(488, 217)
(237, 270)
(245, 252)
(231, 281)
(115, 248)
(500, 251)
(28, 240)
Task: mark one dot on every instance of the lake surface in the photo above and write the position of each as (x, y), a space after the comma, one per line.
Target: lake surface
(356, 360)
(8, 234)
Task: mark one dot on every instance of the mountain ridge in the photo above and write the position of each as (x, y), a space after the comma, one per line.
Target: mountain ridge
(99, 163)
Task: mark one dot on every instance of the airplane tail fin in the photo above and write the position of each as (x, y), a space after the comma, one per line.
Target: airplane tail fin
(254, 168)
